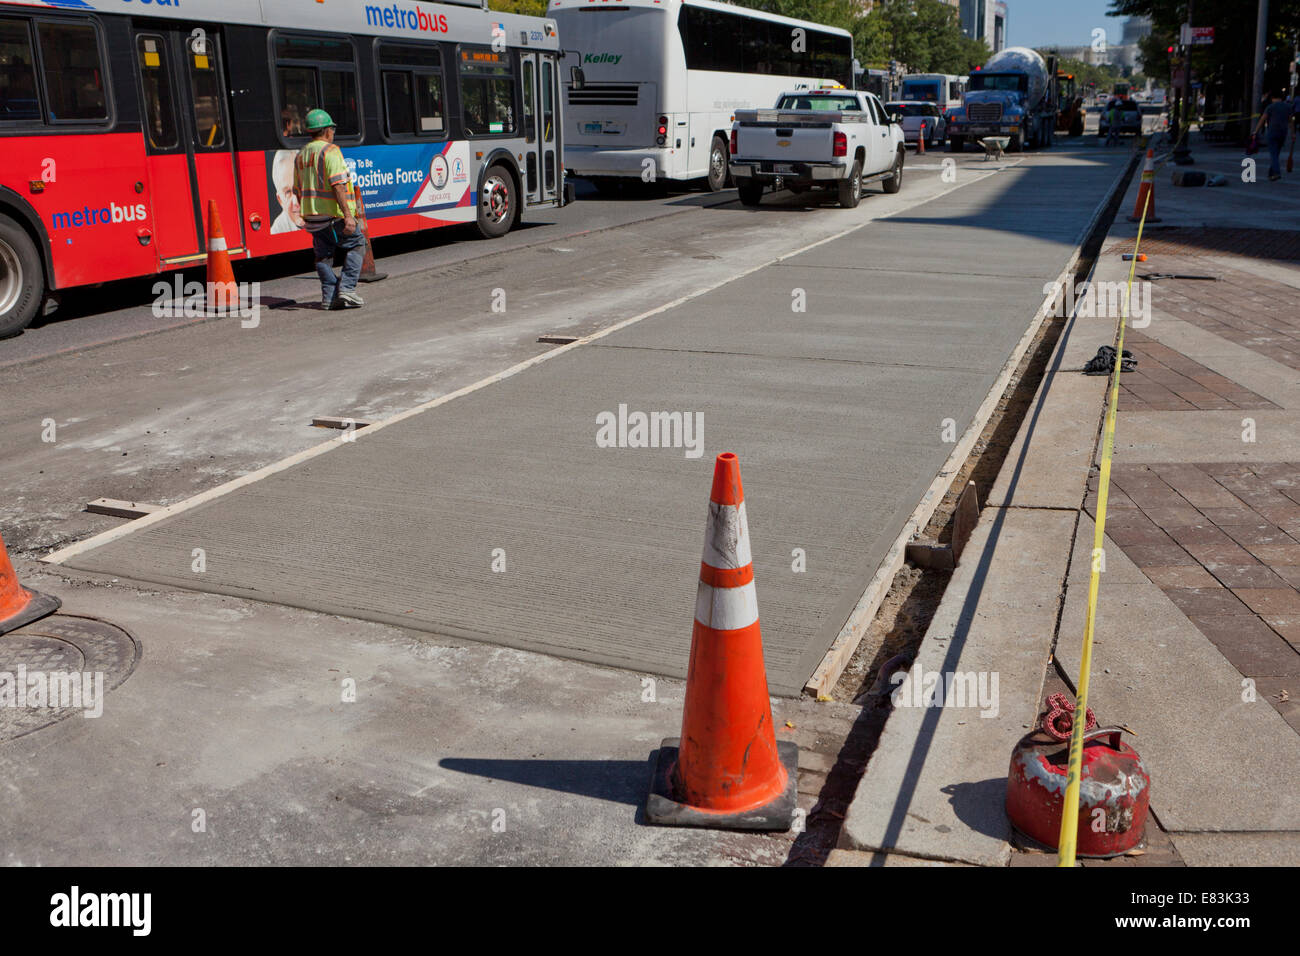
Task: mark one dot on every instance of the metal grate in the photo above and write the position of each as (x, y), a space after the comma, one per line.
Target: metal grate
(984, 112)
(608, 94)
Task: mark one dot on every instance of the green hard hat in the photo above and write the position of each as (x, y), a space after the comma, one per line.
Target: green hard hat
(319, 119)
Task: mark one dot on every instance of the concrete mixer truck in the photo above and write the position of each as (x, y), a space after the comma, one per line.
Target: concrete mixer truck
(1011, 95)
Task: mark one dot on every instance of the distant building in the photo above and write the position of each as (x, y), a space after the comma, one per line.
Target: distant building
(984, 20)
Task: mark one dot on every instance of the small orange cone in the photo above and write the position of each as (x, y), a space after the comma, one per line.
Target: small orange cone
(223, 293)
(368, 273)
(19, 606)
(727, 769)
(920, 140)
(1146, 198)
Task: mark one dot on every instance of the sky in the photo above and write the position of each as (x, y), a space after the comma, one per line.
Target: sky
(1036, 23)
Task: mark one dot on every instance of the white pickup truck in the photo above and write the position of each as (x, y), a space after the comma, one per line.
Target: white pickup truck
(833, 138)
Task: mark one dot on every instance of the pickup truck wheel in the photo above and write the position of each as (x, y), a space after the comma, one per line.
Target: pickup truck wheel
(956, 144)
(895, 182)
(851, 188)
(718, 164)
(22, 278)
(751, 191)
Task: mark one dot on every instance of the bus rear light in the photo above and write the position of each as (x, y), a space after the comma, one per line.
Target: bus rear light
(841, 145)
(661, 131)
(734, 142)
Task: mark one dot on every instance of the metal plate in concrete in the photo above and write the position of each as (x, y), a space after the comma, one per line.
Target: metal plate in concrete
(59, 650)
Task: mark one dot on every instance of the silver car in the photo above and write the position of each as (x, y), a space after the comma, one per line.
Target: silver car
(920, 115)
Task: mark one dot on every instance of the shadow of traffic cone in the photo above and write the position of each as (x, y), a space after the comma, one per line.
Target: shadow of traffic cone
(223, 293)
(19, 606)
(368, 273)
(1146, 198)
(727, 769)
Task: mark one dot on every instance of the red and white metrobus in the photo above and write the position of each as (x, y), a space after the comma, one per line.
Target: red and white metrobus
(121, 119)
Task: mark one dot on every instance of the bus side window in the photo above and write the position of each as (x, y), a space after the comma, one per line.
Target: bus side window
(412, 86)
(159, 115)
(18, 100)
(313, 72)
(74, 75)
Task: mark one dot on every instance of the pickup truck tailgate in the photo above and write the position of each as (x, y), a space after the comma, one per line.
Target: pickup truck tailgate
(784, 137)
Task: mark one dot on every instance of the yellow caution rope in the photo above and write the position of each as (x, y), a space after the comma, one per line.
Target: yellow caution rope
(1070, 809)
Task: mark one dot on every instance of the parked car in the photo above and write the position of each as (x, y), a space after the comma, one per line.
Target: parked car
(917, 116)
(1130, 118)
(830, 138)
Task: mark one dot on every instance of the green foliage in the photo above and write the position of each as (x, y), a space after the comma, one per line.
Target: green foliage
(532, 8)
(1224, 66)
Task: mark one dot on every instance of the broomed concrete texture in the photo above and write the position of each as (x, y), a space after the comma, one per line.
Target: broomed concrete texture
(836, 414)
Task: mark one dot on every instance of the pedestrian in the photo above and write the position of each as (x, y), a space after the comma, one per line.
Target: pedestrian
(328, 206)
(1277, 118)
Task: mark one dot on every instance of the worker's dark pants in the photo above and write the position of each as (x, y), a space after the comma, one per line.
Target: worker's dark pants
(1275, 144)
(325, 242)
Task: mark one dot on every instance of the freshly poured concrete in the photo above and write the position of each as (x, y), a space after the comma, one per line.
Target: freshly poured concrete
(837, 414)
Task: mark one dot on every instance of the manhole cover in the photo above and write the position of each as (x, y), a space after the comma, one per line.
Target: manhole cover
(59, 666)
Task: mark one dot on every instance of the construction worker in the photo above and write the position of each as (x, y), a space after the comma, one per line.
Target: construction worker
(1112, 123)
(323, 185)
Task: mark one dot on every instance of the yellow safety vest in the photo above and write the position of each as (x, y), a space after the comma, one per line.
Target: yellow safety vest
(318, 168)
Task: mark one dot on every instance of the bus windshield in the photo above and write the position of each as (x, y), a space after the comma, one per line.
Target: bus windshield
(823, 101)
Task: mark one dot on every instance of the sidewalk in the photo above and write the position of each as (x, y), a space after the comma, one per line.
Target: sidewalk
(1198, 626)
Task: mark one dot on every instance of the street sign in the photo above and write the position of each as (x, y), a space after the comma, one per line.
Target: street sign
(1196, 36)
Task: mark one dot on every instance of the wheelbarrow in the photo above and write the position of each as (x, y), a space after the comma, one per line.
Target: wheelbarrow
(994, 146)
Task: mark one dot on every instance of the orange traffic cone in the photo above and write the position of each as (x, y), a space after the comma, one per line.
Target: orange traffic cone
(727, 769)
(223, 293)
(19, 606)
(920, 140)
(1146, 198)
(368, 273)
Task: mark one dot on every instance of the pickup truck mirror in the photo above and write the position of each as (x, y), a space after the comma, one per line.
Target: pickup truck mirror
(576, 77)
(896, 119)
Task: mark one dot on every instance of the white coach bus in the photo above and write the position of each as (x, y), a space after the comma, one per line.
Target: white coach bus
(654, 84)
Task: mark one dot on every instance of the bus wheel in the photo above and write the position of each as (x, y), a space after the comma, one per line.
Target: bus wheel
(751, 191)
(496, 203)
(718, 164)
(22, 279)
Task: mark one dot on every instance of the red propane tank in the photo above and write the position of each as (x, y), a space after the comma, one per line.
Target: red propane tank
(1114, 791)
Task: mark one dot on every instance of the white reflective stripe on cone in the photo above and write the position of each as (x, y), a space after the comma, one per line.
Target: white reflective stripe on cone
(726, 539)
(726, 609)
(217, 245)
